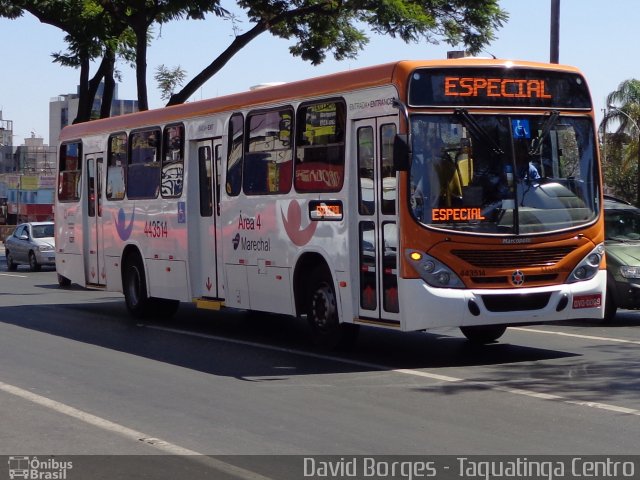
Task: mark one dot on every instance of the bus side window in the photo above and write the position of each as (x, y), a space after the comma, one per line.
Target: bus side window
(387, 173)
(116, 163)
(70, 172)
(319, 160)
(268, 159)
(143, 175)
(366, 204)
(234, 154)
(205, 181)
(171, 179)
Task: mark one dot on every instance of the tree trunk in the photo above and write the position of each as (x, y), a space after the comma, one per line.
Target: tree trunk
(109, 84)
(141, 67)
(214, 67)
(84, 102)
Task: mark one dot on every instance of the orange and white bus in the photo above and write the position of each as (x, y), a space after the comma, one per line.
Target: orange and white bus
(409, 196)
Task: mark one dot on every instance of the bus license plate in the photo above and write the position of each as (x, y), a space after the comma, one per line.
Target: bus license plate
(587, 301)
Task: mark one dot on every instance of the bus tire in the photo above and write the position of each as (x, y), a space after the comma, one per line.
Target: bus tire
(322, 315)
(135, 287)
(483, 334)
(63, 282)
(610, 307)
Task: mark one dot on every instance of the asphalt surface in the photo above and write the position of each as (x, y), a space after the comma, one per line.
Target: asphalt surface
(78, 377)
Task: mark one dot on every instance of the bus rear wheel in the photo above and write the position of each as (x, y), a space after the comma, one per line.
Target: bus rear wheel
(322, 315)
(63, 282)
(138, 302)
(135, 288)
(483, 334)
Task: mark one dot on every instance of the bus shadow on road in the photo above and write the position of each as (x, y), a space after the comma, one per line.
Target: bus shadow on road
(254, 346)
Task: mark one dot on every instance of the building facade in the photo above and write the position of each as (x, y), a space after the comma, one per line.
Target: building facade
(64, 108)
(27, 171)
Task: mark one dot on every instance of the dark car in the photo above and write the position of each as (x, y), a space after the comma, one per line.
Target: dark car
(622, 244)
(31, 244)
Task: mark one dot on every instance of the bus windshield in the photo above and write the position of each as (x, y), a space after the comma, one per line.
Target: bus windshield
(503, 174)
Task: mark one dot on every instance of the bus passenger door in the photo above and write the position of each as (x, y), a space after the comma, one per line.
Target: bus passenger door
(377, 221)
(209, 153)
(94, 266)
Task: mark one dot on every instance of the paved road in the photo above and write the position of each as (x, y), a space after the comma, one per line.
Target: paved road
(78, 377)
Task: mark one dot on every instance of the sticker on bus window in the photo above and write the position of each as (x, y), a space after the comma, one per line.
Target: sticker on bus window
(325, 210)
(462, 214)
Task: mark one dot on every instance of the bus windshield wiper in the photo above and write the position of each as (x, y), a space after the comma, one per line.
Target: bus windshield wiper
(477, 130)
(546, 128)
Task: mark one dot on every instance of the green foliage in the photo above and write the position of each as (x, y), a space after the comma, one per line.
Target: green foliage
(320, 27)
(623, 147)
(169, 79)
(122, 29)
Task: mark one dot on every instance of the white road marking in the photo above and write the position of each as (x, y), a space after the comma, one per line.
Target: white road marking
(416, 373)
(576, 335)
(13, 275)
(135, 435)
(94, 420)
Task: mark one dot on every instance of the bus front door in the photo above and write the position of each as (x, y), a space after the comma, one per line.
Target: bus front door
(377, 221)
(94, 266)
(208, 274)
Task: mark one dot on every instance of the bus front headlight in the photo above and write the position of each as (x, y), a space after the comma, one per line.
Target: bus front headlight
(589, 266)
(433, 271)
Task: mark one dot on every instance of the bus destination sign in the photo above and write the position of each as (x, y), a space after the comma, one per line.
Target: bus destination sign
(495, 87)
(498, 87)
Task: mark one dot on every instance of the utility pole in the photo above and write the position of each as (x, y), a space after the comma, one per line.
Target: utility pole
(555, 32)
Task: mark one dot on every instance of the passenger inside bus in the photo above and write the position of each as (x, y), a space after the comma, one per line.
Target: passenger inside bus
(436, 174)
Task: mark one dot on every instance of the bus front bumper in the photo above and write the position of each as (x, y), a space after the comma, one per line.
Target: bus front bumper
(425, 307)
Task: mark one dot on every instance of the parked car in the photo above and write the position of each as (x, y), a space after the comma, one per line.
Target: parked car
(31, 244)
(622, 244)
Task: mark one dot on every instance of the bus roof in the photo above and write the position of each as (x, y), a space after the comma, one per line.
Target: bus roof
(394, 73)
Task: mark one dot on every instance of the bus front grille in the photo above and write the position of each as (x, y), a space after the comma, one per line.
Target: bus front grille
(520, 258)
(501, 280)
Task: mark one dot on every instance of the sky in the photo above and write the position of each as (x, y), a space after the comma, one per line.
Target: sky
(596, 36)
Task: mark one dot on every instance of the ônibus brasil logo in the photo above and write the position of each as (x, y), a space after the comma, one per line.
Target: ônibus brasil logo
(34, 468)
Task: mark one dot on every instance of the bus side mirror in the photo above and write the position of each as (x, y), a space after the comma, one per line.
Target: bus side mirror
(401, 152)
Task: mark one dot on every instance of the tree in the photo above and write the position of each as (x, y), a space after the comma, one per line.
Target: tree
(108, 28)
(103, 29)
(623, 156)
(91, 34)
(320, 27)
(140, 15)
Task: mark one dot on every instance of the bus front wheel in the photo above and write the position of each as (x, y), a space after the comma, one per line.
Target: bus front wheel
(322, 315)
(610, 307)
(482, 334)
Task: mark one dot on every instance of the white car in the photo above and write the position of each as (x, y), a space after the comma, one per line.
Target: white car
(32, 244)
